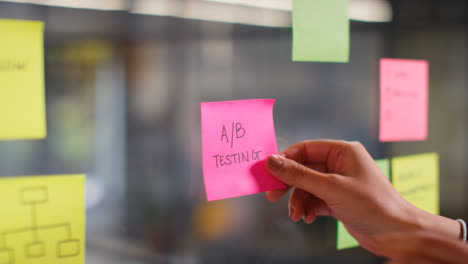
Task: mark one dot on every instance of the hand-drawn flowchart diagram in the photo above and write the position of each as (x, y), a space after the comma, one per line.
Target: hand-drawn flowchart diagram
(36, 229)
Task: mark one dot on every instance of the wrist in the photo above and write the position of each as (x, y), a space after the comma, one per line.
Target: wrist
(439, 225)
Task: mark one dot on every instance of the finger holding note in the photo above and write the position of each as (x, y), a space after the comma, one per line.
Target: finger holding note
(353, 189)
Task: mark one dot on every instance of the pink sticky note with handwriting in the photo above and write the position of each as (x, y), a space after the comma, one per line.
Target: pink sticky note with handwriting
(403, 99)
(237, 137)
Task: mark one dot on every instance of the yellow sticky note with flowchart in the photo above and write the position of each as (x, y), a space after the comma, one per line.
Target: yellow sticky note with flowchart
(43, 220)
(416, 178)
(22, 98)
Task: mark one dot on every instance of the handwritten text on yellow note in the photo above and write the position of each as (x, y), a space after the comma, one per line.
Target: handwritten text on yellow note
(42, 220)
(416, 178)
(22, 105)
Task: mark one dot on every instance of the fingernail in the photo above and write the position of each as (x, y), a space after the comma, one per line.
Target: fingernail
(309, 218)
(291, 211)
(274, 162)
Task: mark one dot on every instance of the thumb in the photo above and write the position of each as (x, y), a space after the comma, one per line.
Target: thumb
(297, 175)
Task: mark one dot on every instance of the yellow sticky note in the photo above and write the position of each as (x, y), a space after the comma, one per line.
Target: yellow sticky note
(43, 220)
(22, 103)
(344, 240)
(416, 178)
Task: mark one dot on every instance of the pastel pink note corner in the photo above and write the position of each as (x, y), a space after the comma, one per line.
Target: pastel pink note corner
(403, 99)
(237, 137)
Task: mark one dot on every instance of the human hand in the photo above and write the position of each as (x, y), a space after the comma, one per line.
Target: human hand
(340, 179)
(420, 248)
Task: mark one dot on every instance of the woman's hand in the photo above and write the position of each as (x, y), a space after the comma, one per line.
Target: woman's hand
(340, 179)
(420, 248)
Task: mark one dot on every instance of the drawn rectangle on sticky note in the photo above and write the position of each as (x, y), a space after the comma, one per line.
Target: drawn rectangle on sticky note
(416, 178)
(237, 137)
(22, 99)
(34, 195)
(320, 30)
(44, 219)
(344, 240)
(403, 99)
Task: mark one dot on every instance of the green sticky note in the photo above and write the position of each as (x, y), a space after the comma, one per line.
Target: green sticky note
(416, 178)
(384, 165)
(344, 240)
(320, 30)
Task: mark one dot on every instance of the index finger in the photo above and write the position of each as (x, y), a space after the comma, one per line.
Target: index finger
(315, 151)
(275, 195)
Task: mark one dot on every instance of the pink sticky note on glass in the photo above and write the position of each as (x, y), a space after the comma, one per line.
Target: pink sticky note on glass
(403, 99)
(237, 137)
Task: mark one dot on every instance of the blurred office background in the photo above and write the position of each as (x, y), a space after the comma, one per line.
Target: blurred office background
(124, 79)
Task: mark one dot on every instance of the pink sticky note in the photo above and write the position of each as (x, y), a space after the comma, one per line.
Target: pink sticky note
(403, 99)
(237, 137)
